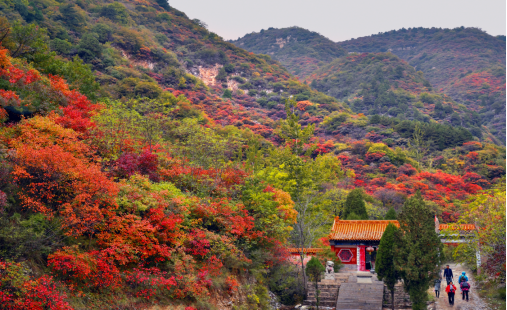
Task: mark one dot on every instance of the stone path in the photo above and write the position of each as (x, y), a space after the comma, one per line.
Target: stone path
(475, 302)
(361, 293)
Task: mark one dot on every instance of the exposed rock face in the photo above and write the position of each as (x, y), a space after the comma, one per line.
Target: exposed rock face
(232, 84)
(281, 41)
(135, 62)
(207, 75)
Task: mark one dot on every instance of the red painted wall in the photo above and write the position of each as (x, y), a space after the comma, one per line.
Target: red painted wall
(353, 250)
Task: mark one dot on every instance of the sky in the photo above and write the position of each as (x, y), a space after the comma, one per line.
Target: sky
(342, 20)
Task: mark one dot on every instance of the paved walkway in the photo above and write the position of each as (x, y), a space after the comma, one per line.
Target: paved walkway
(474, 303)
(361, 292)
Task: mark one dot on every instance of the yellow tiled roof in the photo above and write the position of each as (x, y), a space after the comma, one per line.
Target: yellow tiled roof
(365, 230)
(359, 230)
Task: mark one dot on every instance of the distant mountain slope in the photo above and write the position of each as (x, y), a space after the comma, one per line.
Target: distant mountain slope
(384, 84)
(466, 64)
(299, 50)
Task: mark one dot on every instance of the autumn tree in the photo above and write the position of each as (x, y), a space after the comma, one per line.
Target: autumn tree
(292, 169)
(487, 211)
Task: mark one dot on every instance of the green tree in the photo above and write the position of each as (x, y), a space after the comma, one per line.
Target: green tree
(419, 146)
(26, 41)
(384, 264)
(148, 89)
(390, 215)
(116, 12)
(355, 204)
(417, 249)
(72, 16)
(292, 169)
(89, 47)
(182, 83)
(314, 270)
(164, 4)
(227, 93)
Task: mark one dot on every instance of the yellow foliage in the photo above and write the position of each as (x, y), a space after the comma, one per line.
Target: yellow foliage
(285, 205)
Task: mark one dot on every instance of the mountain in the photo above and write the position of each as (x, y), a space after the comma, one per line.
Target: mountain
(145, 162)
(298, 49)
(140, 49)
(465, 64)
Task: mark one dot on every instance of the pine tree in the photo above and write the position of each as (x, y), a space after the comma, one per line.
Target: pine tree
(314, 270)
(384, 264)
(390, 215)
(417, 248)
(227, 93)
(164, 4)
(355, 204)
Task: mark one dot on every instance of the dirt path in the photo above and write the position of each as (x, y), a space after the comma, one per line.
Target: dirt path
(474, 303)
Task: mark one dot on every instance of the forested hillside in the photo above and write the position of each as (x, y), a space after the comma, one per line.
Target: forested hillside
(298, 49)
(465, 64)
(144, 161)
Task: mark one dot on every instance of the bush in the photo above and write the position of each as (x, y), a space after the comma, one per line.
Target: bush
(61, 46)
(89, 47)
(104, 32)
(148, 89)
(116, 12)
(227, 94)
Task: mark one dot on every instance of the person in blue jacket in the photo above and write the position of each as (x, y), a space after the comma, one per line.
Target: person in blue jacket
(448, 274)
(463, 277)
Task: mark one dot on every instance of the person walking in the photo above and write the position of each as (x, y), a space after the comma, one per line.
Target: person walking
(451, 290)
(437, 287)
(448, 274)
(465, 287)
(463, 277)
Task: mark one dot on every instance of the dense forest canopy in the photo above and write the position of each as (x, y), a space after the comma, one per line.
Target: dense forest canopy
(464, 66)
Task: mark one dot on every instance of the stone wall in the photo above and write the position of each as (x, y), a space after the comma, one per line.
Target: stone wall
(401, 299)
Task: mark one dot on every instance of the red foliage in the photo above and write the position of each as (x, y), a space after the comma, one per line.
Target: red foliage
(23, 293)
(56, 177)
(373, 157)
(145, 164)
(407, 170)
(94, 269)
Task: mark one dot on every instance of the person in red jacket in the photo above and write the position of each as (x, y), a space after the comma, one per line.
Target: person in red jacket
(451, 290)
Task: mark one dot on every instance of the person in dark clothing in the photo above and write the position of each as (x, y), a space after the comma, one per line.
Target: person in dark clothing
(448, 274)
(465, 287)
(451, 290)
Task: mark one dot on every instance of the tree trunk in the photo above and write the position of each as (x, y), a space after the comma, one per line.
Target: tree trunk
(392, 297)
(317, 292)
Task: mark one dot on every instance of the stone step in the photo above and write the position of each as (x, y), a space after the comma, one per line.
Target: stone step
(367, 296)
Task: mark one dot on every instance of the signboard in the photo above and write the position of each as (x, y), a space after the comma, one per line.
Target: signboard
(361, 258)
(478, 257)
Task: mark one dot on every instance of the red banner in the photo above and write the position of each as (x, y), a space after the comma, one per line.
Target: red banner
(362, 264)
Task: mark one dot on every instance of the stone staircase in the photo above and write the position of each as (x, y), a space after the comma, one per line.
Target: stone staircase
(361, 292)
(328, 291)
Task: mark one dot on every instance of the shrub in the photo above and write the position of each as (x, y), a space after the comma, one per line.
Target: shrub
(115, 12)
(148, 89)
(227, 93)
